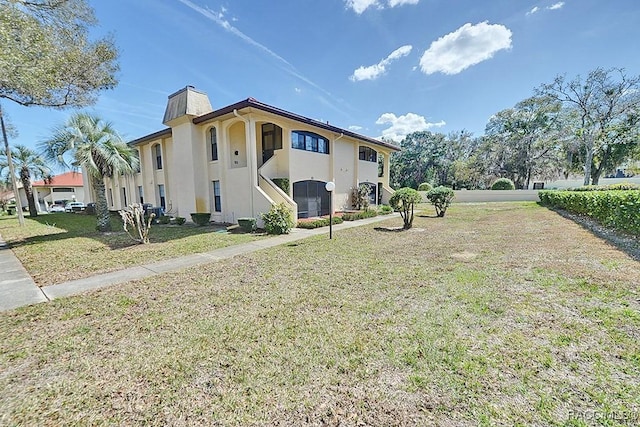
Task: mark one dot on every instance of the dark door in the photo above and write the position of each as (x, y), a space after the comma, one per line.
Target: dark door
(312, 198)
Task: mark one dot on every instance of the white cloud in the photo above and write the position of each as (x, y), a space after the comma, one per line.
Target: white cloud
(360, 6)
(404, 125)
(467, 46)
(374, 71)
(355, 128)
(556, 5)
(534, 10)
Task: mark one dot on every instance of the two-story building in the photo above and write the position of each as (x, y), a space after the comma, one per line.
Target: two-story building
(237, 161)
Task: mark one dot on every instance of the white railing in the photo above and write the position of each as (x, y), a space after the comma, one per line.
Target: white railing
(270, 189)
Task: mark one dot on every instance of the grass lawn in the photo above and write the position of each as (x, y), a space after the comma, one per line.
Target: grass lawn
(497, 314)
(58, 247)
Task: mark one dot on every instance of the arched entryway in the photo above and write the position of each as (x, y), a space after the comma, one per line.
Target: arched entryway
(312, 198)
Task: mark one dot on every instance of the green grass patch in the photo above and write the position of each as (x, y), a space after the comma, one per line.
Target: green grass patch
(58, 247)
(458, 321)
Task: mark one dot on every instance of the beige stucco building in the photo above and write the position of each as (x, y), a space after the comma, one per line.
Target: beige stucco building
(228, 162)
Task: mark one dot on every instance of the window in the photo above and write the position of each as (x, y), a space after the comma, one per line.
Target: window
(157, 151)
(380, 166)
(110, 197)
(271, 137)
(124, 197)
(213, 136)
(63, 190)
(367, 154)
(217, 201)
(140, 194)
(161, 196)
(309, 141)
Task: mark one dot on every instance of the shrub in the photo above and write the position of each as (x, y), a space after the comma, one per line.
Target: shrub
(133, 220)
(360, 197)
(248, 225)
(503, 184)
(403, 201)
(180, 220)
(279, 219)
(615, 208)
(164, 219)
(353, 216)
(619, 186)
(385, 210)
(282, 183)
(440, 198)
(425, 186)
(201, 218)
(317, 223)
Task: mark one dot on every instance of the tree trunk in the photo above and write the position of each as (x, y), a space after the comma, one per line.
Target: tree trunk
(28, 191)
(102, 210)
(588, 161)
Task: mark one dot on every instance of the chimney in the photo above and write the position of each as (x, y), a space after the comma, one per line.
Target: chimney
(186, 102)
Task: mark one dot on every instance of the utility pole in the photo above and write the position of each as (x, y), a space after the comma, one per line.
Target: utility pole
(12, 171)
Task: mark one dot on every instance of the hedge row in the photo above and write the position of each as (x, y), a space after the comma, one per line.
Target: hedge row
(353, 216)
(615, 208)
(320, 222)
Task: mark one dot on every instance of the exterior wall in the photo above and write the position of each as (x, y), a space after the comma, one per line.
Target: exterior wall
(344, 173)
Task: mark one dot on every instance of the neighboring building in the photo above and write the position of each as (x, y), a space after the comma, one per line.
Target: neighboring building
(67, 187)
(228, 162)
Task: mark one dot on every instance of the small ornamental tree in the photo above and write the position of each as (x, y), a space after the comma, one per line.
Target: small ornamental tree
(403, 201)
(425, 186)
(360, 197)
(134, 221)
(440, 198)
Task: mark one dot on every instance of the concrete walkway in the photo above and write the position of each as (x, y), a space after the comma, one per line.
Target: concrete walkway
(18, 289)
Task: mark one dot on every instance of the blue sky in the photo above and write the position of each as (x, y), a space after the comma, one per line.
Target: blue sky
(378, 67)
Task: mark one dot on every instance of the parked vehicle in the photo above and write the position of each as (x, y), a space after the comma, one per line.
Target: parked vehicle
(56, 208)
(74, 207)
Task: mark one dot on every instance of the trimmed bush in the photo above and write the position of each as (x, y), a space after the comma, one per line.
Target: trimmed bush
(619, 186)
(619, 209)
(503, 184)
(180, 220)
(248, 225)
(403, 201)
(201, 218)
(164, 219)
(425, 186)
(279, 219)
(282, 183)
(317, 223)
(353, 216)
(440, 198)
(385, 210)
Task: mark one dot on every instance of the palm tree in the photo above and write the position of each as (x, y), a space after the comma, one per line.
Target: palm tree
(28, 165)
(92, 144)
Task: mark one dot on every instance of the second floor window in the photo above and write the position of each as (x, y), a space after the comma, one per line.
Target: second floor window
(367, 154)
(309, 141)
(213, 137)
(157, 151)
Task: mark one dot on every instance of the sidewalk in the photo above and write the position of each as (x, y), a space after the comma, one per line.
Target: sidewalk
(17, 288)
(21, 290)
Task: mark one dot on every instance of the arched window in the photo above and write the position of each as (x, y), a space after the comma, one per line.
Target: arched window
(367, 154)
(213, 141)
(309, 141)
(157, 152)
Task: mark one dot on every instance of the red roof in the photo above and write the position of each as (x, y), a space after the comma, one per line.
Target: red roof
(68, 179)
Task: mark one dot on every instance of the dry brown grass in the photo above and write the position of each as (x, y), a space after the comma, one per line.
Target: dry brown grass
(497, 314)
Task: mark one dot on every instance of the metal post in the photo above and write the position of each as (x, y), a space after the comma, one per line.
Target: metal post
(330, 186)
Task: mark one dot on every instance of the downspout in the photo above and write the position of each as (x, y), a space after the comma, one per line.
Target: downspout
(247, 131)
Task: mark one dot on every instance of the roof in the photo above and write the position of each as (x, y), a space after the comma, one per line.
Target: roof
(67, 179)
(253, 103)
